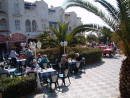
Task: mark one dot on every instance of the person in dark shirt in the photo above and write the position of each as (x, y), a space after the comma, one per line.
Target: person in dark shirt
(78, 59)
(63, 63)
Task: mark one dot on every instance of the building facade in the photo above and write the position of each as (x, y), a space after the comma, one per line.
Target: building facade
(21, 21)
(72, 19)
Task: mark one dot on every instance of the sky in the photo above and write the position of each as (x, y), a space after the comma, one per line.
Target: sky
(86, 17)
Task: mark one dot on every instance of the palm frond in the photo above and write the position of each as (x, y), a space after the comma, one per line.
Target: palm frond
(124, 19)
(86, 28)
(56, 32)
(111, 9)
(93, 9)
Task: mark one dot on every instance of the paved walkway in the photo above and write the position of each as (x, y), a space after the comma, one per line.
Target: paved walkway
(100, 81)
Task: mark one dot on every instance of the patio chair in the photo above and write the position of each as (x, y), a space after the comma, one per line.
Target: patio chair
(64, 75)
(32, 74)
(18, 73)
(53, 79)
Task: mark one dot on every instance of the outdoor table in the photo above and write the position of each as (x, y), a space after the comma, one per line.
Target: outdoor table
(21, 61)
(11, 71)
(72, 63)
(46, 73)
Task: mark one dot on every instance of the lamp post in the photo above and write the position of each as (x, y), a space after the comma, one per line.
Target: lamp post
(64, 44)
(9, 36)
(107, 40)
(34, 46)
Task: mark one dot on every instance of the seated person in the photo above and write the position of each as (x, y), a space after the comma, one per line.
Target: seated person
(35, 64)
(77, 57)
(39, 58)
(30, 56)
(63, 63)
(13, 55)
(44, 61)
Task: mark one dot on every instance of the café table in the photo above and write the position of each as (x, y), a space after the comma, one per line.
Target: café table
(11, 71)
(46, 73)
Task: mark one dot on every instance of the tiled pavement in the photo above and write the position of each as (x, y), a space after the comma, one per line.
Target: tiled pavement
(100, 81)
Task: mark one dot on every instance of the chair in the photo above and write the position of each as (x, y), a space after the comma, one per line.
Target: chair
(77, 65)
(32, 74)
(45, 65)
(64, 75)
(18, 73)
(83, 64)
(53, 79)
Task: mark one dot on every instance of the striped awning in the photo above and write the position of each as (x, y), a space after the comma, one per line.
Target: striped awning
(18, 37)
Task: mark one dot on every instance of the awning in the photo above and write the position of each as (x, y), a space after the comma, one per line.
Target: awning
(3, 38)
(16, 37)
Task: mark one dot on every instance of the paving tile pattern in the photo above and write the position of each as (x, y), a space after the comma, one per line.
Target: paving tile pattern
(101, 81)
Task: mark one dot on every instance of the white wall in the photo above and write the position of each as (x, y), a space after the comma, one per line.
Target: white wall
(39, 13)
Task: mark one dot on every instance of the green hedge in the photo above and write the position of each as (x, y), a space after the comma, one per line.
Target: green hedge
(52, 53)
(17, 87)
(92, 55)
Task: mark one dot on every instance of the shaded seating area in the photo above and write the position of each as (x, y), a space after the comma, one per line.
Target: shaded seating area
(50, 76)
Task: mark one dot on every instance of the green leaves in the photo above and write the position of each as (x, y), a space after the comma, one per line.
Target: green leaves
(118, 19)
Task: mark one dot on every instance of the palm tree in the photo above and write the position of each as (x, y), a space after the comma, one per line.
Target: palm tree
(61, 34)
(105, 35)
(118, 21)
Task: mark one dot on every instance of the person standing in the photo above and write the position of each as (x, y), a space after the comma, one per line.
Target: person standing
(13, 55)
(30, 57)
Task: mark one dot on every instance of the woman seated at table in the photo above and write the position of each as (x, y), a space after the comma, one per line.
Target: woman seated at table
(13, 55)
(63, 64)
(30, 57)
(44, 61)
(35, 65)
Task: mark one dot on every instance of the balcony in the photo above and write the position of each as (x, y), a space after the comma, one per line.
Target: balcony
(3, 29)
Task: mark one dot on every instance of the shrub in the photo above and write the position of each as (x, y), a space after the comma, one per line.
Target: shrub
(52, 53)
(16, 87)
(92, 55)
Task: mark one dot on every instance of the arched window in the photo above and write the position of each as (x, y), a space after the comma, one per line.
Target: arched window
(34, 26)
(28, 26)
(3, 24)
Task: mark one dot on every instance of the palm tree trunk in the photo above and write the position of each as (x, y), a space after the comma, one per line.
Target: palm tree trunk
(125, 78)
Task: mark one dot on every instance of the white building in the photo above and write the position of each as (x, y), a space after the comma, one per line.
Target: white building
(56, 14)
(20, 20)
(72, 19)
